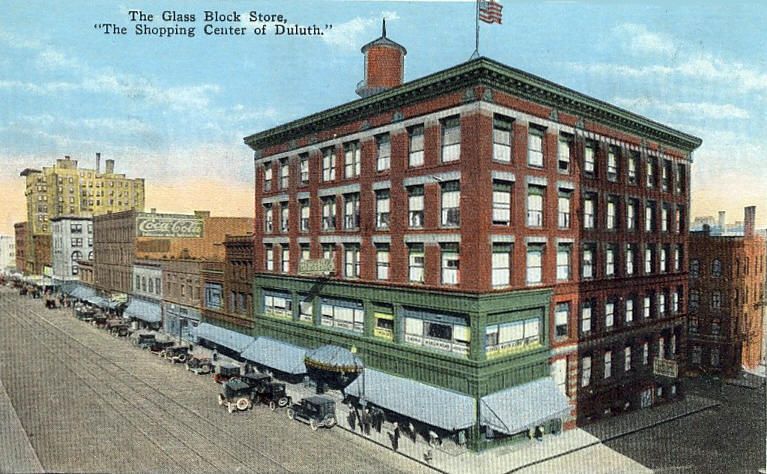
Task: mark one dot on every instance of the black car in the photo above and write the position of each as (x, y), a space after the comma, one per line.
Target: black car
(158, 347)
(316, 410)
(236, 395)
(273, 394)
(199, 365)
(256, 380)
(143, 340)
(225, 372)
(176, 353)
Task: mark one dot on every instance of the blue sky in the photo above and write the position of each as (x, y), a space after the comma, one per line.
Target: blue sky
(175, 109)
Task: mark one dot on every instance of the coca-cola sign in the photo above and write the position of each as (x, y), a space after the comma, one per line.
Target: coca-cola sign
(156, 226)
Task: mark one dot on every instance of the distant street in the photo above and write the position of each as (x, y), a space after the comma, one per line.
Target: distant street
(92, 403)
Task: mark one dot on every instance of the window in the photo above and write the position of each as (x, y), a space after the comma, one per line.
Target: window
(633, 160)
(664, 259)
(507, 337)
(716, 299)
(608, 364)
(661, 348)
(269, 251)
(306, 309)
(351, 211)
(697, 353)
(137, 286)
(681, 178)
(675, 298)
(694, 299)
(563, 211)
(284, 174)
(534, 264)
(214, 296)
(502, 139)
(645, 353)
(612, 164)
(278, 305)
(329, 213)
(268, 218)
(328, 164)
(501, 202)
(76, 242)
(305, 212)
(382, 209)
(666, 175)
(561, 318)
(450, 264)
(715, 357)
(267, 177)
(628, 313)
(382, 261)
(329, 253)
(535, 206)
(535, 146)
(501, 265)
(76, 228)
(586, 310)
(585, 371)
(415, 206)
(559, 374)
(451, 139)
(342, 314)
(284, 216)
(587, 262)
(678, 251)
(662, 303)
(715, 327)
(649, 217)
(305, 252)
(352, 160)
(630, 258)
(631, 214)
(693, 325)
(303, 163)
(694, 268)
(383, 152)
(610, 252)
(647, 307)
(451, 202)
(415, 150)
(716, 268)
(415, 263)
(589, 211)
(609, 315)
(679, 219)
(563, 153)
(589, 159)
(649, 259)
(563, 262)
(285, 258)
(351, 260)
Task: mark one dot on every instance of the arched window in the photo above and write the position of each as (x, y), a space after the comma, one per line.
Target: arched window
(716, 268)
(77, 255)
(90, 255)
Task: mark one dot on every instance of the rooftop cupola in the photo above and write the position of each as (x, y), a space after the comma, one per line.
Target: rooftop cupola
(384, 65)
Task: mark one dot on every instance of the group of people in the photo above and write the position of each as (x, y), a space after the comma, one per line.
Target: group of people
(367, 418)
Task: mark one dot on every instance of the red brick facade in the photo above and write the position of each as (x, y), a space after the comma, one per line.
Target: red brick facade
(20, 234)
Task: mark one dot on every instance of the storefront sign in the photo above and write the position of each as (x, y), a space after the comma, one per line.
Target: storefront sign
(665, 368)
(168, 226)
(319, 266)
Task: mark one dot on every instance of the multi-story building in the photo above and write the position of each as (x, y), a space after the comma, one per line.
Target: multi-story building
(726, 299)
(66, 190)
(228, 285)
(482, 229)
(7, 253)
(182, 296)
(20, 235)
(146, 295)
(72, 241)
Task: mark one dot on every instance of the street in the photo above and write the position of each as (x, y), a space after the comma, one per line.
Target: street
(90, 402)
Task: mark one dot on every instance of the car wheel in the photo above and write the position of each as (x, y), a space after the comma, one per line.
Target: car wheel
(282, 402)
(291, 413)
(163, 355)
(272, 406)
(330, 421)
(243, 404)
(313, 424)
(182, 358)
(220, 399)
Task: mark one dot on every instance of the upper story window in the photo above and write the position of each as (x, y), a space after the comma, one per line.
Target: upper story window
(285, 216)
(351, 211)
(561, 319)
(284, 173)
(535, 146)
(564, 146)
(563, 210)
(563, 262)
(681, 178)
(268, 218)
(451, 139)
(285, 258)
(352, 161)
(535, 206)
(383, 152)
(502, 128)
(716, 268)
(415, 148)
(590, 158)
(267, 177)
(75, 228)
(613, 167)
(587, 262)
(665, 221)
(610, 254)
(450, 263)
(650, 172)
(534, 264)
(632, 165)
(589, 211)
(451, 203)
(382, 209)
(351, 260)
(630, 258)
(305, 212)
(666, 175)
(329, 213)
(694, 268)
(382, 261)
(612, 213)
(304, 167)
(501, 265)
(415, 206)
(415, 263)
(328, 164)
(501, 202)
(586, 310)
(649, 217)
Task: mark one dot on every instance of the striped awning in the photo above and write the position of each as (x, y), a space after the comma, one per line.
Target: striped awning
(333, 358)
(233, 340)
(276, 355)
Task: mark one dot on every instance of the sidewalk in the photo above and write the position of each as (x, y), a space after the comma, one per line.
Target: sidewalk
(16, 452)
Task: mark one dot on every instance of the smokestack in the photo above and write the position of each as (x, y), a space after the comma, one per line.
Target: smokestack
(749, 222)
(110, 166)
(98, 162)
(722, 222)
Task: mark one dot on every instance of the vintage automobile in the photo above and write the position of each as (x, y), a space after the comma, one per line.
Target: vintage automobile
(143, 340)
(256, 380)
(273, 394)
(176, 353)
(225, 372)
(316, 410)
(158, 347)
(199, 365)
(99, 320)
(84, 313)
(117, 327)
(236, 395)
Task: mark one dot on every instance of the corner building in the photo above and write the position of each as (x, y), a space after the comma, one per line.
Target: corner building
(492, 234)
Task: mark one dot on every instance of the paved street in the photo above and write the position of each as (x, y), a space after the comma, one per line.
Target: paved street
(92, 403)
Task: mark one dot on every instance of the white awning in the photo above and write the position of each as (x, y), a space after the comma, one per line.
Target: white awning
(234, 340)
(524, 406)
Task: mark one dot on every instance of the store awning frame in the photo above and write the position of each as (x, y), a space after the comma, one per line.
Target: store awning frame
(277, 355)
(522, 407)
(233, 340)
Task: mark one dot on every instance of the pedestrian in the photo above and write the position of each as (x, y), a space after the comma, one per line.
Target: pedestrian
(411, 431)
(539, 433)
(352, 418)
(365, 421)
(378, 416)
(215, 355)
(395, 438)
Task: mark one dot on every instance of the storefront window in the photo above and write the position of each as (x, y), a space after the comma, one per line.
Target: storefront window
(444, 332)
(343, 314)
(505, 338)
(278, 305)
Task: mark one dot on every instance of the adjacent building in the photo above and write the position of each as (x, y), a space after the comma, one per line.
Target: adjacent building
(7, 253)
(726, 299)
(72, 239)
(479, 231)
(228, 285)
(20, 235)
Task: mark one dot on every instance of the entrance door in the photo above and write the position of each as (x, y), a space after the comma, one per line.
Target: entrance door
(645, 398)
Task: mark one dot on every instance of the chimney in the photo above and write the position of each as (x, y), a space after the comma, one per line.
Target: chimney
(153, 210)
(706, 229)
(66, 157)
(722, 222)
(384, 65)
(749, 222)
(110, 167)
(98, 162)
(202, 214)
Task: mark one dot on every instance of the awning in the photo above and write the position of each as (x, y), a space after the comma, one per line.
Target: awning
(144, 310)
(524, 406)
(98, 301)
(83, 292)
(333, 358)
(277, 355)
(234, 340)
(435, 406)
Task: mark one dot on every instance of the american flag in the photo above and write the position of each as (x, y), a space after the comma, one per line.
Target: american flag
(490, 11)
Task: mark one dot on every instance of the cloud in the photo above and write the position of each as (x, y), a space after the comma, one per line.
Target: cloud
(349, 35)
(691, 110)
(638, 39)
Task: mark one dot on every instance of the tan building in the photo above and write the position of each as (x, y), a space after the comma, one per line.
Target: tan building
(66, 189)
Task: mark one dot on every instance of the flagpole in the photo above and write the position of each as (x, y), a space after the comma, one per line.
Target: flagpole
(476, 35)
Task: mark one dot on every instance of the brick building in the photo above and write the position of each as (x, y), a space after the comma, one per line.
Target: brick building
(486, 229)
(20, 235)
(726, 299)
(228, 285)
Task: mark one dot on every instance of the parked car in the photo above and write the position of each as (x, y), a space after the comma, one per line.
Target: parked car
(225, 372)
(316, 410)
(159, 347)
(256, 380)
(99, 320)
(236, 395)
(84, 313)
(199, 365)
(117, 327)
(143, 339)
(273, 394)
(176, 353)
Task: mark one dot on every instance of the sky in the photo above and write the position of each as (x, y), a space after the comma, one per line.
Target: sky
(174, 110)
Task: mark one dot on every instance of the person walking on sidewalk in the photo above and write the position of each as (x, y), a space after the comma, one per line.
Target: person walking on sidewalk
(395, 437)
